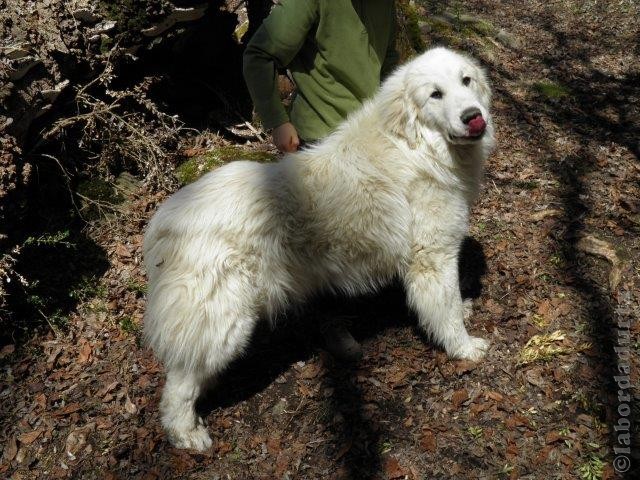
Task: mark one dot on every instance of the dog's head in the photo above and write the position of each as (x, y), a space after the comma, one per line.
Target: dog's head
(440, 91)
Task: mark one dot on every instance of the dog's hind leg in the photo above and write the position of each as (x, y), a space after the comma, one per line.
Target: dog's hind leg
(433, 291)
(221, 345)
(184, 427)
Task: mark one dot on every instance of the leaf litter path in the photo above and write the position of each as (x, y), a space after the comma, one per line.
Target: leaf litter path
(559, 208)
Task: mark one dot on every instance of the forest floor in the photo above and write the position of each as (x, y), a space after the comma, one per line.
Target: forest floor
(557, 225)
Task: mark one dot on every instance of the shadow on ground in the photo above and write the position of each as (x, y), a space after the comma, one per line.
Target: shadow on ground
(60, 264)
(297, 338)
(594, 109)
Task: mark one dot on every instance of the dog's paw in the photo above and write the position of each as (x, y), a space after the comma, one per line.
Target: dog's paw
(473, 349)
(196, 438)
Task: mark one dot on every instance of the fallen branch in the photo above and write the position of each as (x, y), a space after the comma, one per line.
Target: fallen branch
(594, 246)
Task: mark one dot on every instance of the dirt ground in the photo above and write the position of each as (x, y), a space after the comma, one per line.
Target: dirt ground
(555, 233)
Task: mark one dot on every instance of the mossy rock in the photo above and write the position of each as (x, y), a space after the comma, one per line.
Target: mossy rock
(198, 165)
(94, 194)
(455, 29)
(551, 90)
(241, 30)
(410, 39)
(99, 190)
(129, 14)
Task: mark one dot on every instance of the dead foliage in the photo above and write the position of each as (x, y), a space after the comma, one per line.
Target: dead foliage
(82, 401)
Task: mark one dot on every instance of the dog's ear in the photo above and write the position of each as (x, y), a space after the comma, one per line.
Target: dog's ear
(484, 87)
(401, 110)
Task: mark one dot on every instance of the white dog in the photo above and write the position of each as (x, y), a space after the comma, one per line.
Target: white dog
(385, 195)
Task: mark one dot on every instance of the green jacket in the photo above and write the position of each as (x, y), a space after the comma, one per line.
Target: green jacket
(336, 51)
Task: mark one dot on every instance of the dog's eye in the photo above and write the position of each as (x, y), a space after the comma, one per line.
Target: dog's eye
(436, 94)
(466, 81)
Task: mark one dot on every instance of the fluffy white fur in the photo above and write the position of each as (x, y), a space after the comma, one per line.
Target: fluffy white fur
(386, 195)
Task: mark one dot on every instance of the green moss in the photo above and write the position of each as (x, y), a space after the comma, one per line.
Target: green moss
(454, 29)
(592, 468)
(443, 32)
(197, 166)
(99, 190)
(526, 184)
(51, 239)
(484, 28)
(241, 30)
(551, 90)
(475, 432)
(136, 286)
(130, 15)
(105, 44)
(96, 194)
(88, 287)
(413, 41)
(129, 326)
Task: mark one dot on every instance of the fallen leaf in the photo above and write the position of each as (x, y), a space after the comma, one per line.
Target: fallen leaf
(310, 370)
(273, 445)
(553, 437)
(107, 389)
(282, 464)
(343, 450)
(7, 350)
(75, 442)
(465, 366)
(543, 347)
(224, 447)
(85, 353)
(41, 401)
(428, 441)
(534, 377)
(495, 396)
(459, 397)
(10, 449)
(397, 379)
(122, 251)
(130, 407)
(494, 307)
(393, 469)
(71, 408)
(543, 308)
(29, 437)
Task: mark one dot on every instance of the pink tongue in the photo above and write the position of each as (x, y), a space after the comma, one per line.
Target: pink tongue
(476, 126)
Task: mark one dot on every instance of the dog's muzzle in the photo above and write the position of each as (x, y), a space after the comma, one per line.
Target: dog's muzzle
(476, 125)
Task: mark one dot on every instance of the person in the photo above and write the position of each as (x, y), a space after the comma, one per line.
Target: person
(337, 52)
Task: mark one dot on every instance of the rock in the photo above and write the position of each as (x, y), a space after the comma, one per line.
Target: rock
(103, 27)
(177, 16)
(52, 94)
(15, 52)
(461, 18)
(85, 15)
(507, 39)
(280, 407)
(22, 66)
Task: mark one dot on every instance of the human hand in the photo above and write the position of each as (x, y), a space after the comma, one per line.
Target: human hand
(285, 137)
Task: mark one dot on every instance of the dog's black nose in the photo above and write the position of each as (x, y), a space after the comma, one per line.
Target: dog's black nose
(469, 114)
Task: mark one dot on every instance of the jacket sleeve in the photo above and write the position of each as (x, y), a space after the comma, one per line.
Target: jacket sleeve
(273, 46)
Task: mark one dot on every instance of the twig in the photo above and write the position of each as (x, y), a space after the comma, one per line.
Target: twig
(53, 329)
(246, 122)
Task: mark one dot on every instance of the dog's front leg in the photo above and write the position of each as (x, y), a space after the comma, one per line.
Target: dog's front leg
(433, 292)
